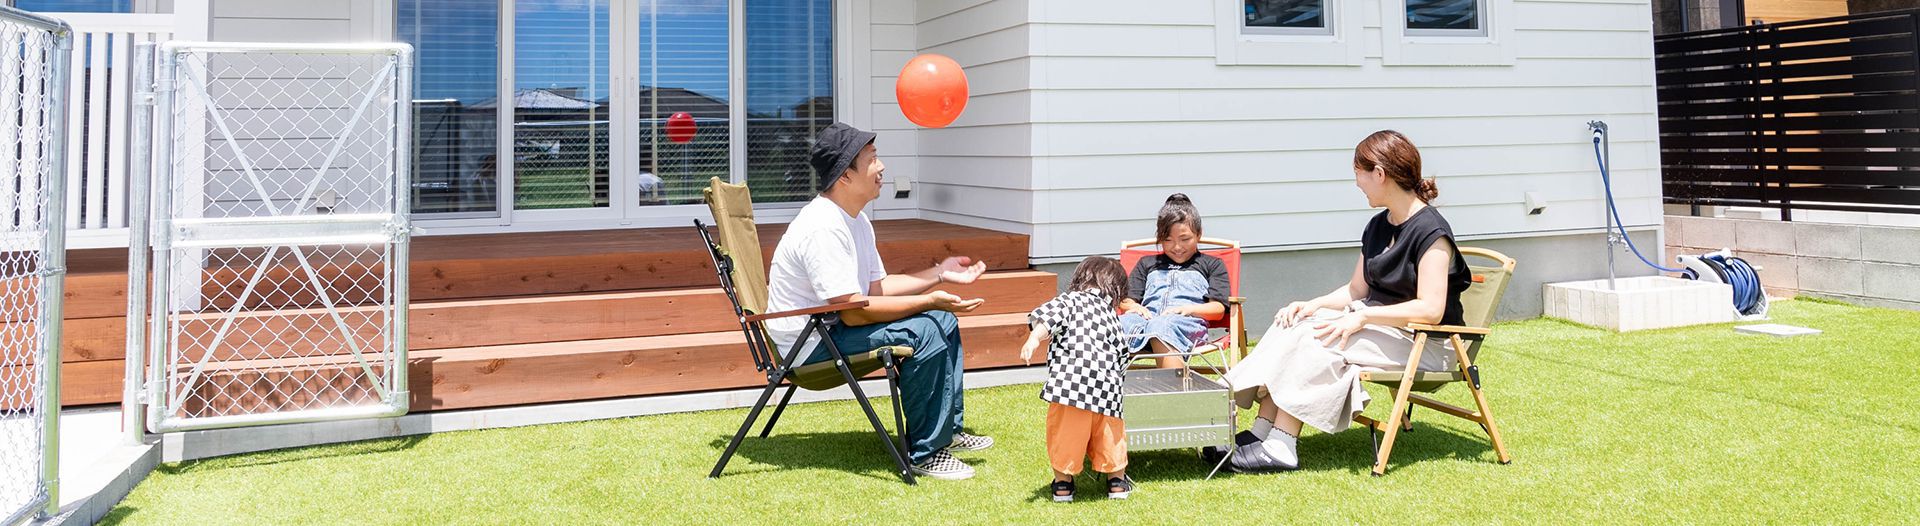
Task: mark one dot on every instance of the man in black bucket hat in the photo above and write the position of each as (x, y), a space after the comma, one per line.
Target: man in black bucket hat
(828, 255)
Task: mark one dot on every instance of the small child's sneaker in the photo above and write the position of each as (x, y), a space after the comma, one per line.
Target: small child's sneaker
(1119, 487)
(1063, 491)
(943, 466)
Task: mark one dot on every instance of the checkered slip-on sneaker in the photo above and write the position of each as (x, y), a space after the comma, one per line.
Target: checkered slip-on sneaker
(966, 442)
(943, 466)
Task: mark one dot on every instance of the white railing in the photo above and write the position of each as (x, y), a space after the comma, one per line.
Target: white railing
(98, 130)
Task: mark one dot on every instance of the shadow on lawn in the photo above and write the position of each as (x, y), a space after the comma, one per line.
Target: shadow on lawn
(856, 452)
(118, 515)
(268, 458)
(1350, 451)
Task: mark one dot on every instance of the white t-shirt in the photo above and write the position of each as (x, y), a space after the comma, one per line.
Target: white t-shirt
(824, 254)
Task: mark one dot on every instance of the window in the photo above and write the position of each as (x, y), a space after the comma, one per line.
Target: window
(1287, 17)
(1445, 18)
(683, 67)
(789, 94)
(562, 135)
(75, 6)
(1289, 32)
(593, 87)
(1446, 33)
(455, 117)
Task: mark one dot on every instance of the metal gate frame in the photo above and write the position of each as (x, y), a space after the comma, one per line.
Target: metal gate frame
(52, 259)
(154, 342)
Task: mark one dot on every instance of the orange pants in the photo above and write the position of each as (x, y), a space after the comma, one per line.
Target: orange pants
(1074, 434)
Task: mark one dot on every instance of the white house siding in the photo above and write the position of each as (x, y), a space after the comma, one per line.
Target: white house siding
(1086, 114)
(302, 20)
(881, 38)
(262, 122)
(1130, 105)
(978, 171)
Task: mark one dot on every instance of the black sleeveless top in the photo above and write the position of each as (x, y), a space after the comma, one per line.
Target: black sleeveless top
(1391, 256)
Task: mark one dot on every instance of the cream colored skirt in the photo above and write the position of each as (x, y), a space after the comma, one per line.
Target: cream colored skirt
(1320, 384)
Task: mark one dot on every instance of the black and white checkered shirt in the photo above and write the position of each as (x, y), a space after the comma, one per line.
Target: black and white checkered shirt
(1088, 359)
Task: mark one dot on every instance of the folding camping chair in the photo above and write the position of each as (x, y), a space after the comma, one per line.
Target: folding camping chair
(743, 276)
(1480, 302)
(1234, 342)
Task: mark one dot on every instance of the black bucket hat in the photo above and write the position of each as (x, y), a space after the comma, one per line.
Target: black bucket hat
(834, 149)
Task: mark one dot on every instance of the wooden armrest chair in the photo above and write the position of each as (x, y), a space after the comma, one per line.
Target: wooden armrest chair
(1480, 302)
(1234, 341)
(737, 259)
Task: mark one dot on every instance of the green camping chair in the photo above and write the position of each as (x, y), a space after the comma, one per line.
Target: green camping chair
(743, 276)
(1480, 301)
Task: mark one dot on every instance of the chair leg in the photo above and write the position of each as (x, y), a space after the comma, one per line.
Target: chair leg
(1406, 424)
(891, 365)
(775, 417)
(1480, 399)
(853, 384)
(1399, 405)
(765, 395)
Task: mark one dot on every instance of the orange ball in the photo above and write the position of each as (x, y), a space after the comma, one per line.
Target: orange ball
(932, 90)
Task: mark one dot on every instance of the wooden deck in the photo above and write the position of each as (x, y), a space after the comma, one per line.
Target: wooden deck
(529, 318)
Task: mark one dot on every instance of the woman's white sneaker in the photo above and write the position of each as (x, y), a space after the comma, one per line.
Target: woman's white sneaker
(943, 466)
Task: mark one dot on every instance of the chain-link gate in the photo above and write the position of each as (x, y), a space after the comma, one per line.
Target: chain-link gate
(34, 70)
(280, 234)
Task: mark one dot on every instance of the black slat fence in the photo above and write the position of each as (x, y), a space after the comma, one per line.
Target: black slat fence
(1809, 115)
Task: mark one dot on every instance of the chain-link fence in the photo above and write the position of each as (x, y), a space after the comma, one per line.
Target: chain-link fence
(34, 72)
(280, 234)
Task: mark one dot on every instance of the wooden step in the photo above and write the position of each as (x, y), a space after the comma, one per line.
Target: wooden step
(565, 371)
(475, 323)
(497, 265)
(503, 321)
(83, 383)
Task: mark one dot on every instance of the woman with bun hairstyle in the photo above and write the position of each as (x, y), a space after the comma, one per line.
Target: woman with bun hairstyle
(1306, 371)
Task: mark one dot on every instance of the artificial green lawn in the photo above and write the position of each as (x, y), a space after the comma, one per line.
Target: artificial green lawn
(1687, 425)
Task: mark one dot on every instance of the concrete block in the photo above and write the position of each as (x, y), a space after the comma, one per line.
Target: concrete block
(1890, 244)
(1776, 271)
(1649, 302)
(1826, 240)
(1771, 237)
(1836, 276)
(1711, 232)
(1891, 281)
(1676, 228)
(1872, 302)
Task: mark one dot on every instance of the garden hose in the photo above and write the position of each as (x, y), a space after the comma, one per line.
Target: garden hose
(1748, 296)
(1606, 182)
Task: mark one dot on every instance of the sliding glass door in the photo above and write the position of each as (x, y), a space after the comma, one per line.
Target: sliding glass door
(621, 110)
(563, 104)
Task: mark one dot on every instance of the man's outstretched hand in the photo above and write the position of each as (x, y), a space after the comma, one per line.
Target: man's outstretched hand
(961, 270)
(950, 302)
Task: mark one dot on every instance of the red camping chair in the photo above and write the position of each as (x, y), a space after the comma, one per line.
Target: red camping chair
(1234, 342)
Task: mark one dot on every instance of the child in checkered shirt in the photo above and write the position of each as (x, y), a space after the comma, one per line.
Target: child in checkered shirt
(1085, 367)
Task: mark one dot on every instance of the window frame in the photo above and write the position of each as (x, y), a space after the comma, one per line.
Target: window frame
(1340, 45)
(1329, 16)
(1480, 16)
(1492, 46)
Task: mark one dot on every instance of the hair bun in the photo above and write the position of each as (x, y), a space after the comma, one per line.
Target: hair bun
(1179, 198)
(1428, 190)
